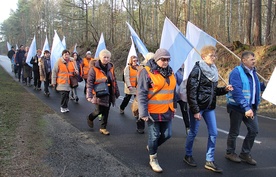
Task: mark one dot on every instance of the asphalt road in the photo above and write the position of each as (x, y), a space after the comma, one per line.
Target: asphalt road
(129, 147)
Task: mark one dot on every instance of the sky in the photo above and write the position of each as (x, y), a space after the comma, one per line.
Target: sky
(5, 7)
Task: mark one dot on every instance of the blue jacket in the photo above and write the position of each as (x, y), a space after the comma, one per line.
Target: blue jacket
(242, 105)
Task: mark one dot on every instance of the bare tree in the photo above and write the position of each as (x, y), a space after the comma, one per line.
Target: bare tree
(257, 27)
(268, 23)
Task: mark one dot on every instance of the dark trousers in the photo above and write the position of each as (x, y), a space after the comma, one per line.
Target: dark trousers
(252, 130)
(184, 110)
(104, 111)
(47, 82)
(64, 99)
(125, 101)
(19, 70)
(85, 82)
(37, 82)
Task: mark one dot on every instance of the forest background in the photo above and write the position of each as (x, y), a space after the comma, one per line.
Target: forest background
(238, 24)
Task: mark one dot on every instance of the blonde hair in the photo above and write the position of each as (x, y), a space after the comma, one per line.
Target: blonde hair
(147, 58)
(104, 52)
(207, 49)
(130, 62)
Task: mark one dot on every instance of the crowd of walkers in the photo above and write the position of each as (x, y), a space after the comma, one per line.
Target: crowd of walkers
(156, 90)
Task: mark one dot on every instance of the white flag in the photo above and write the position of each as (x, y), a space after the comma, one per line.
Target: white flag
(45, 46)
(198, 39)
(75, 48)
(8, 46)
(56, 51)
(31, 52)
(270, 89)
(176, 43)
(64, 42)
(132, 51)
(139, 44)
(100, 47)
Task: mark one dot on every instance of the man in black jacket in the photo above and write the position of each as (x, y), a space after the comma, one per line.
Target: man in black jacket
(11, 57)
(19, 60)
(34, 61)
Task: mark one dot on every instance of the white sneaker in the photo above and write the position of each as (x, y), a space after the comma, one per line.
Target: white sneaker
(63, 110)
(66, 109)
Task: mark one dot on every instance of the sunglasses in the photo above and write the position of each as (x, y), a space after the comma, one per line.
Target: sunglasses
(165, 59)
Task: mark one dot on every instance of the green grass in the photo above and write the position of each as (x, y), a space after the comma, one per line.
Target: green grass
(21, 119)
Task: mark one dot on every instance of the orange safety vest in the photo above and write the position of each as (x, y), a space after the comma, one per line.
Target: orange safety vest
(64, 72)
(163, 100)
(101, 77)
(85, 67)
(132, 76)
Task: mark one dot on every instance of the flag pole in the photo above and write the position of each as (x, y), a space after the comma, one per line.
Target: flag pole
(239, 58)
(218, 74)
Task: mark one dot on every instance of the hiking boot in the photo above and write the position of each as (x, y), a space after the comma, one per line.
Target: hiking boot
(104, 131)
(190, 161)
(122, 111)
(248, 159)
(90, 122)
(63, 110)
(154, 163)
(233, 157)
(140, 131)
(210, 165)
(47, 94)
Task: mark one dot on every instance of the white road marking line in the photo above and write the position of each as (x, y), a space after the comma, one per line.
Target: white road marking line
(219, 130)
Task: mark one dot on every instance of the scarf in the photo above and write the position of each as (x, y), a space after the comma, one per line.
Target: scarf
(211, 72)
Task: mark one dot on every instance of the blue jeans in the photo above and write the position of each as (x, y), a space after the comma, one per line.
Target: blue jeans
(210, 120)
(235, 123)
(158, 132)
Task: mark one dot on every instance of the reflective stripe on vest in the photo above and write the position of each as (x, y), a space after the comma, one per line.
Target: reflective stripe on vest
(64, 72)
(132, 76)
(245, 88)
(163, 100)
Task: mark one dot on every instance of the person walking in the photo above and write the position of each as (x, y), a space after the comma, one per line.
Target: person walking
(140, 123)
(77, 63)
(19, 59)
(242, 105)
(156, 102)
(27, 70)
(85, 68)
(34, 61)
(11, 55)
(45, 71)
(63, 69)
(182, 97)
(130, 79)
(102, 74)
(202, 90)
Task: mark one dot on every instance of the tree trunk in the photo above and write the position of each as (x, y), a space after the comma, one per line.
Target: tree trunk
(268, 23)
(249, 23)
(257, 23)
